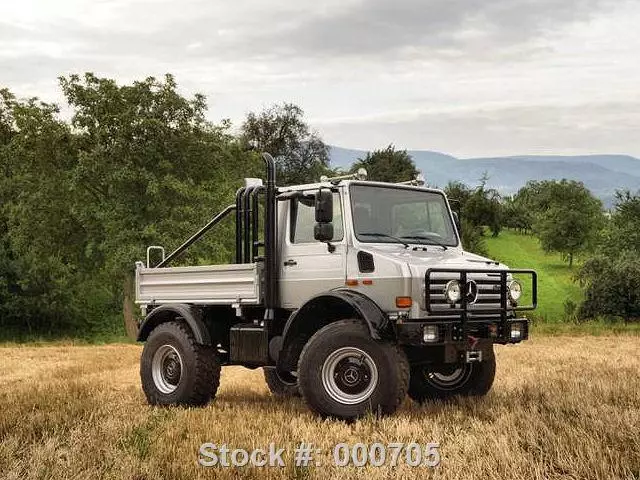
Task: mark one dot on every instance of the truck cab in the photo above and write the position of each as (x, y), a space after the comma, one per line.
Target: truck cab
(352, 294)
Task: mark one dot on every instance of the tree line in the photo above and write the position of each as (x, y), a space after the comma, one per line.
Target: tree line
(83, 194)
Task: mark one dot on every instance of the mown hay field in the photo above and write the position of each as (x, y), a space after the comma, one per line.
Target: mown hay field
(561, 407)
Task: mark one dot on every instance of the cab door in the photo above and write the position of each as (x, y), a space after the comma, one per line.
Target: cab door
(307, 267)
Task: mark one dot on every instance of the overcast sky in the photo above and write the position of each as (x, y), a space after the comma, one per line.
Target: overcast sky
(465, 77)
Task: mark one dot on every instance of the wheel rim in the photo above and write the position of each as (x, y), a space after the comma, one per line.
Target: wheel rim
(166, 369)
(349, 375)
(449, 378)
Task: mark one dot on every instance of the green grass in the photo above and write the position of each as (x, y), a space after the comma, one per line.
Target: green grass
(17, 340)
(592, 327)
(555, 278)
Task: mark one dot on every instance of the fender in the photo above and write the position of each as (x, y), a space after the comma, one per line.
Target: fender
(170, 312)
(355, 303)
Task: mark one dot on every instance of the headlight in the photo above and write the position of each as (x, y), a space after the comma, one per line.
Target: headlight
(515, 290)
(453, 292)
(430, 334)
(516, 331)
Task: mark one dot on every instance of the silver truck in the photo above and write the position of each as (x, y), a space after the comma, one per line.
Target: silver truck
(348, 292)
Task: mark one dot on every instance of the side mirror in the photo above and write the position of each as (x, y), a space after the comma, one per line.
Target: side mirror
(324, 206)
(323, 232)
(456, 220)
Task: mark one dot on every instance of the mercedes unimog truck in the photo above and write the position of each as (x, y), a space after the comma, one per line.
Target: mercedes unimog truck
(348, 292)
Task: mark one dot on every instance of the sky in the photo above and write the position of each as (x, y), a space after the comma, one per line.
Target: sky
(465, 77)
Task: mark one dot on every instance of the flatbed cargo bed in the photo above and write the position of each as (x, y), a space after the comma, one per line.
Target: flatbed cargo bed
(201, 285)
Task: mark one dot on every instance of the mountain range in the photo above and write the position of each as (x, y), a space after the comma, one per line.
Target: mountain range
(602, 174)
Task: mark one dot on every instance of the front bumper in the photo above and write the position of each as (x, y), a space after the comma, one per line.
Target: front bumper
(484, 311)
(411, 332)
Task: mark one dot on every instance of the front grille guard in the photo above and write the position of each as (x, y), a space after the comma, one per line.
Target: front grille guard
(463, 310)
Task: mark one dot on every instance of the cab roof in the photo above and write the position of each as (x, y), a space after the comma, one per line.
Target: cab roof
(347, 183)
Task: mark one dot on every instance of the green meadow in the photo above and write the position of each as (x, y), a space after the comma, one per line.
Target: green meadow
(556, 282)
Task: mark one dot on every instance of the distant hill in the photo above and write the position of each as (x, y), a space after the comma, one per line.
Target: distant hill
(602, 174)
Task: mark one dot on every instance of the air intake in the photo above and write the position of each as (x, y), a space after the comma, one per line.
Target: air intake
(365, 262)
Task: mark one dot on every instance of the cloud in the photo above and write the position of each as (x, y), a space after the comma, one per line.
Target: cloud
(383, 28)
(472, 77)
(541, 129)
(253, 31)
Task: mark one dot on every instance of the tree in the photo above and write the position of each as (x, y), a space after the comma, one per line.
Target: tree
(39, 232)
(568, 217)
(516, 215)
(137, 165)
(623, 229)
(150, 170)
(387, 165)
(483, 208)
(302, 156)
(611, 279)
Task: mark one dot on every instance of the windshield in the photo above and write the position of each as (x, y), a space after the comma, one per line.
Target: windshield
(382, 213)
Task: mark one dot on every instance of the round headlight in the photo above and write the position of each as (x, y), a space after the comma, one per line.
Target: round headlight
(515, 290)
(453, 292)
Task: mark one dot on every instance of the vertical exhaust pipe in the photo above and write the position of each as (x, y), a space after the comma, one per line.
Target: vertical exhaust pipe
(270, 241)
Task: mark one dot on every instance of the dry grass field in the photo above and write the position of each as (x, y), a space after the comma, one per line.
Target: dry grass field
(561, 407)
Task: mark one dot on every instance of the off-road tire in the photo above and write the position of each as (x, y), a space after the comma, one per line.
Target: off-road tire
(391, 366)
(476, 379)
(279, 385)
(200, 372)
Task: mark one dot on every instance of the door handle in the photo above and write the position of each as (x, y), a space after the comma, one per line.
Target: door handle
(290, 263)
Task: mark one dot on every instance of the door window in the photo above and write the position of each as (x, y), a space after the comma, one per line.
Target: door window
(303, 220)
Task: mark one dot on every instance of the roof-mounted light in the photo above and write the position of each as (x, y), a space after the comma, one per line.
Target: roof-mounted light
(419, 181)
(361, 174)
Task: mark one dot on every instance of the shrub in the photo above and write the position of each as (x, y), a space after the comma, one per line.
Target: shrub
(612, 286)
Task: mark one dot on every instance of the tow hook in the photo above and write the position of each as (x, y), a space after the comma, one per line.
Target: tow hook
(473, 356)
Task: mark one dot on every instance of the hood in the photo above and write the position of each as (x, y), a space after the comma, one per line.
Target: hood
(434, 257)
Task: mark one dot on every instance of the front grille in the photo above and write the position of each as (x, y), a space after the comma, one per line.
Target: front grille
(491, 300)
(488, 293)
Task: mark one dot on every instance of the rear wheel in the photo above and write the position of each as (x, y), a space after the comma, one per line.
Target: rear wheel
(281, 384)
(344, 373)
(176, 370)
(445, 381)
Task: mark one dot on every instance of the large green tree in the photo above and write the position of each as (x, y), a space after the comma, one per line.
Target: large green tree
(567, 218)
(281, 130)
(151, 167)
(138, 164)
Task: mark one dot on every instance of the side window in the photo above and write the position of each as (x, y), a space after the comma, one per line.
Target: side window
(303, 220)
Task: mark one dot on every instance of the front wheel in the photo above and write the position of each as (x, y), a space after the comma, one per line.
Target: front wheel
(431, 382)
(176, 370)
(344, 373)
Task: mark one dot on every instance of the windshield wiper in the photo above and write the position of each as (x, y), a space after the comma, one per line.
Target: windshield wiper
(375, 234)
(433, 241)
